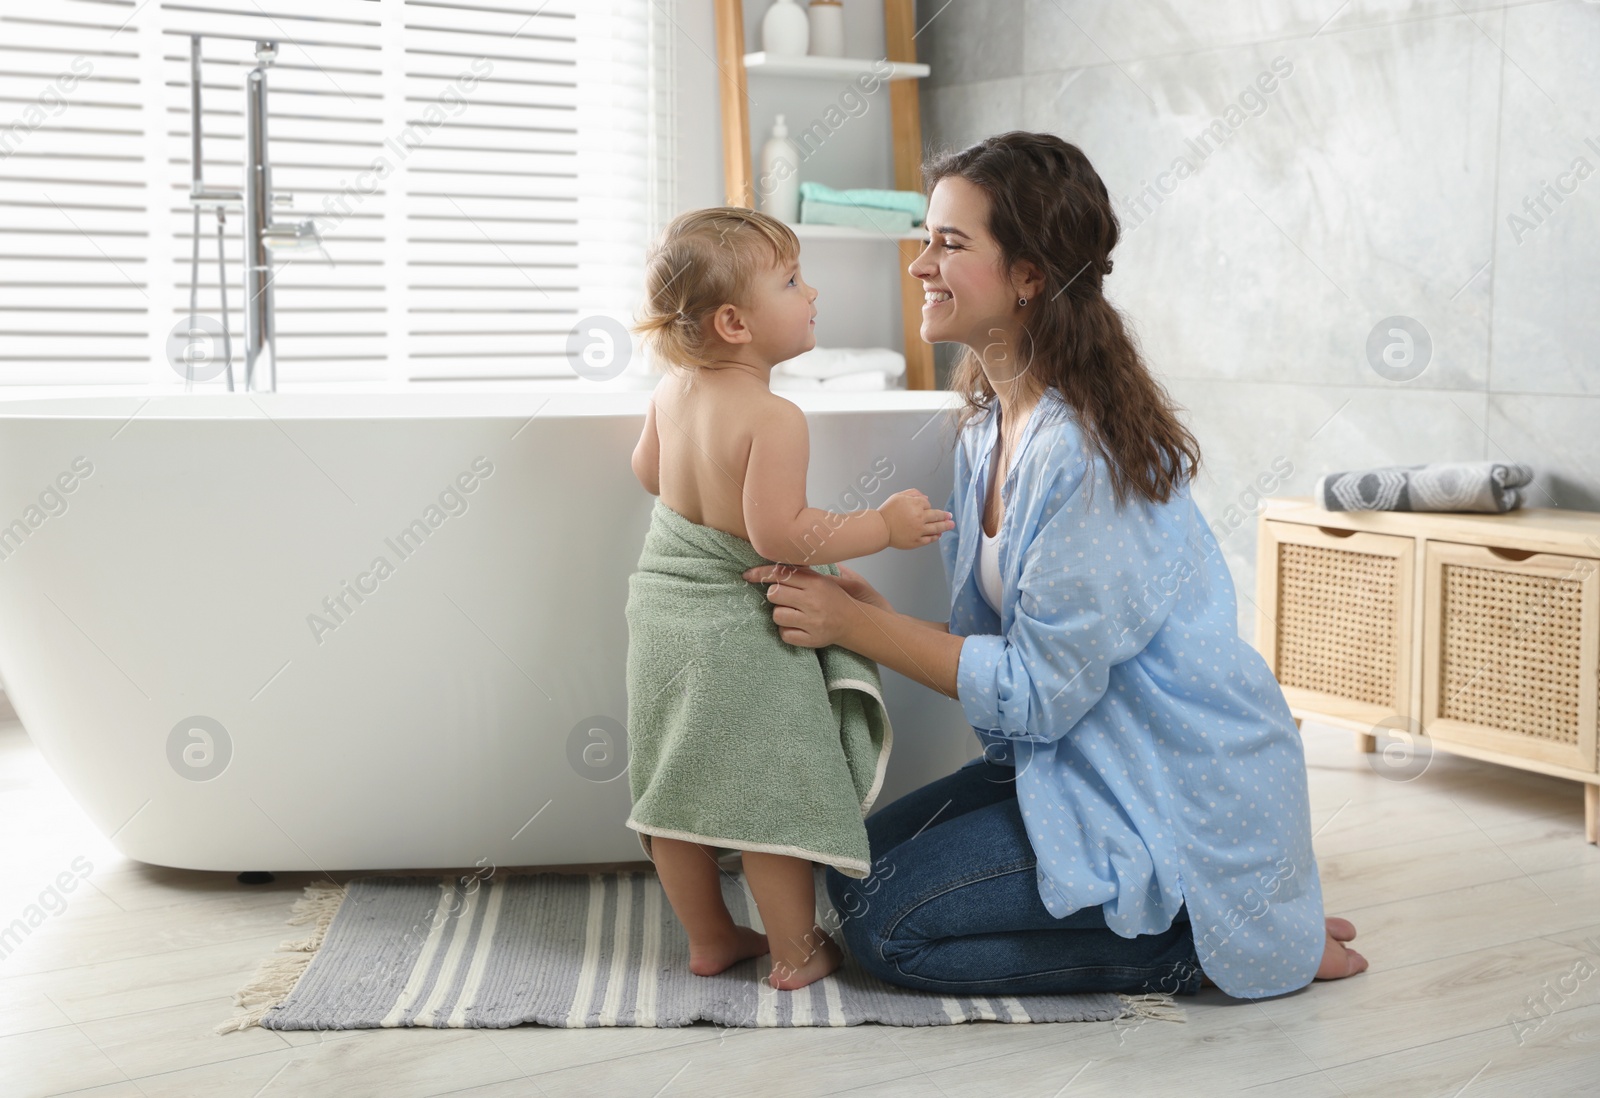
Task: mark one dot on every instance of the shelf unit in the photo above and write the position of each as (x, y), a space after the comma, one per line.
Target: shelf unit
(905, 116)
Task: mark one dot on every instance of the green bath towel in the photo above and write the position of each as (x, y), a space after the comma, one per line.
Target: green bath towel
(736, 738)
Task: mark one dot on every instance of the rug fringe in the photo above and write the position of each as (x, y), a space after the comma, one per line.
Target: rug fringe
(1153, 1005)
(277, 976)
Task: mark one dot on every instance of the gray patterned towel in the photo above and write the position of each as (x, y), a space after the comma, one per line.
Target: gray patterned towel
(1438, 486)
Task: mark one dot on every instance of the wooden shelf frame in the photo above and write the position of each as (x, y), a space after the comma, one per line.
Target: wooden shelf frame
(905, 119)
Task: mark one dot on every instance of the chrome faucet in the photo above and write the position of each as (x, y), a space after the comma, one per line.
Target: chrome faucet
(262, 234)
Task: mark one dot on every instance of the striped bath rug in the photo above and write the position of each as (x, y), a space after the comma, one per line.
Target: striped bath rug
(575, 951)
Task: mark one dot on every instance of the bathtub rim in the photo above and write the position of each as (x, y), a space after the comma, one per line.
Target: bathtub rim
(410, 403)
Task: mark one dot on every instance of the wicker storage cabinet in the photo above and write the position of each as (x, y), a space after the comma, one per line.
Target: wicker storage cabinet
(1479, 632)
(1342, 645)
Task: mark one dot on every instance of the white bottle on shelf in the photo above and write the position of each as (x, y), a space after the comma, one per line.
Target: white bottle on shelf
(785, 29)
(778, 186)
(827, 28)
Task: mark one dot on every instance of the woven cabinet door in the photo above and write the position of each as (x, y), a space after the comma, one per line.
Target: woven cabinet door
(1510, 646)
(1335, 622)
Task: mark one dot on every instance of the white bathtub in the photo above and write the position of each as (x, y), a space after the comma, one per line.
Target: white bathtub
(173, 639)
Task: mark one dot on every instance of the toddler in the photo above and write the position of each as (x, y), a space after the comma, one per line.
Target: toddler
(736, 739)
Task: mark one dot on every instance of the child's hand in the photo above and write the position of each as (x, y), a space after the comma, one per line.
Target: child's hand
(912, 521)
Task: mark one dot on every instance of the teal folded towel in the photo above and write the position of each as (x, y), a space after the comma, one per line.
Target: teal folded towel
(914, 203)
(857, 217)
(736, 738)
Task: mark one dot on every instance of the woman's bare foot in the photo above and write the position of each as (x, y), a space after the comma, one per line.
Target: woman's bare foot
(718, 956)
(788, 975)
(1338, 960)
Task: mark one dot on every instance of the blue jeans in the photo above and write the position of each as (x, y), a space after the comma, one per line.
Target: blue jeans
(952, 905)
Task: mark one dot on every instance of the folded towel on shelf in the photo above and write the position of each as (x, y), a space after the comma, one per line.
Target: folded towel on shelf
(825, 362)
(870, 381)
(737, 738)
(863, 382)
(784, 383)
(866, 218)
(914, 203)
(1489, 486)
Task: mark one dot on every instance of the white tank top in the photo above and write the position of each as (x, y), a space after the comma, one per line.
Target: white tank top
(989, 585)
(989, 569)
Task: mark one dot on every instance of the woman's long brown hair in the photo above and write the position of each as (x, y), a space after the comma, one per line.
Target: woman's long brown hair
(1048, 206)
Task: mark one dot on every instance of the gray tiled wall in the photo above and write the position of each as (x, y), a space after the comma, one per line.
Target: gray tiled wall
(1385, 175)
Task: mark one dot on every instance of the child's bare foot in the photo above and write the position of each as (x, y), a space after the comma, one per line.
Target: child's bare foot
(787, 975)
(718, 956)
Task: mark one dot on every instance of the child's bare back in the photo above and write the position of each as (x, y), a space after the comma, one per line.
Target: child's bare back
(725, 451)
(704, 430)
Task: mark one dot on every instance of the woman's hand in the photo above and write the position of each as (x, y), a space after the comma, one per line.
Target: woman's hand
(859, 589)
(810, 609)
(814, 610)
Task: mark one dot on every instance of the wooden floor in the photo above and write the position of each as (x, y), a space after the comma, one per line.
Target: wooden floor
(1476, 899)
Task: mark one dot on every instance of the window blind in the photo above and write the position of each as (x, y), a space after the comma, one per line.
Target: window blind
(484, 174)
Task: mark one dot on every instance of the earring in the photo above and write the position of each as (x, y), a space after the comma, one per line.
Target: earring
(1022, 301)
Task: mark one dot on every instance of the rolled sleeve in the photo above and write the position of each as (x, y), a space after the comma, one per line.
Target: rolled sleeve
(1038, 682)
(984, 691)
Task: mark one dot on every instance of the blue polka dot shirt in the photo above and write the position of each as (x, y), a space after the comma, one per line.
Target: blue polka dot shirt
(1157, 761)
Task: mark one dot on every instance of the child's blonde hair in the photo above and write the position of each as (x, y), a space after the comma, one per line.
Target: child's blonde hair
(705, 259)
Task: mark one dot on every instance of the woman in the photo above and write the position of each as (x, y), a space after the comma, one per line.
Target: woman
(1138, 820)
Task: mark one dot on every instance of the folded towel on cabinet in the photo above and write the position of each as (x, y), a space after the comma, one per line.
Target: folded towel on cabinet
(1486, 486)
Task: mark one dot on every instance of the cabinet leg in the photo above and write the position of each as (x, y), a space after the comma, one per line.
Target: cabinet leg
(1591, 812)
(1366, 742)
